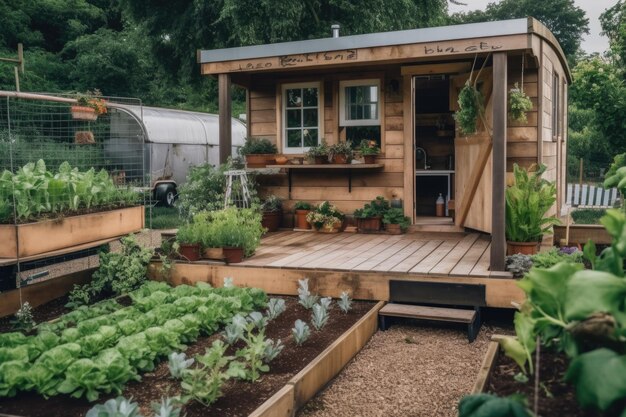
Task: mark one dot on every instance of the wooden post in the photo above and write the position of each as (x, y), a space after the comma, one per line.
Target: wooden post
(498, 238)
(580, 173)
(225, 123)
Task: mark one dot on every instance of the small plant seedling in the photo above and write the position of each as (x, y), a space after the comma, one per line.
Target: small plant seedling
(344, 302)
(319, 318)
(272, 349)
(326, 302)
(258, 319)
(306, 299)
(24, 318)
(177, 363)
(115, 407)
(228, 282)
(300, 332)
(275, 307)
(166, 408)
(234, 331)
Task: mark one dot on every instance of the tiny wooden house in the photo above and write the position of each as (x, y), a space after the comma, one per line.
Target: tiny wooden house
(400, 89)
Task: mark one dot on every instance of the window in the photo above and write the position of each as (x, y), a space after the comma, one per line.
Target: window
(359, 103)
(556, 107)
(301, 115)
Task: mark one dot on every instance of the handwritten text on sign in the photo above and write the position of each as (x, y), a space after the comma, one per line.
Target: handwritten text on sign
(436, 49)
(287, 61)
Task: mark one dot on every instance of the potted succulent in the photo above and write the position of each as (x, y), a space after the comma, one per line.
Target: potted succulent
(395, 221)
(302, 209)
(238, 232)
(88, 106)
(258, 152)
(369, 150)
(318, 154)
(527, 202)
(326, 218)
(341, 153)
(369, 218)
(272, 209)
(188, 240)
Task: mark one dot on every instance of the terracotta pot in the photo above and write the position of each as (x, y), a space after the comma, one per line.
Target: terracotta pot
(321, 160)
(83, 113)
(371, 224)
(271, 220)
(281, 160)
(213, 253)
(233, 255)
(369, 159)
(340, 159)
(393, 229)
(259, 160)
(301, 222)
(190, 252)
(525, 248)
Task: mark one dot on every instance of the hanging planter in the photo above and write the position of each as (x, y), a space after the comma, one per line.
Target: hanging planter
(88, 106)
(471, 104)
(84, 113)
(84, 137)
(519, 102)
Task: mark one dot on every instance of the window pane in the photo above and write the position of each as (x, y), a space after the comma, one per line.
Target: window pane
(356, 134)
(310, 117)
(294, 118)
(310, 137)
(294, 138)
(294, 97)
(361, 102)
(310, 97)
(373, 111)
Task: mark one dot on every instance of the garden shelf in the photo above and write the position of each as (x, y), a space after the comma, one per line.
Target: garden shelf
(324, 167)
(45, 238)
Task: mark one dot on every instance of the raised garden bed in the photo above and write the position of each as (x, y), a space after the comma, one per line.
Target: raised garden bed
(33, 239)
(294, 377)
(556, 397)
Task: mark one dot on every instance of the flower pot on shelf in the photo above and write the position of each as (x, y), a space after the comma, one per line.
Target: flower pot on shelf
(259, 160)
(525, 248)
(281, 160)
(394, 229)
(301, 222)
(233, 255)
(271, 220)
(190, 251)
(369, 159)
(84, 113)
(321, 160)
(213, 253)
(368, 225)
(340, 159)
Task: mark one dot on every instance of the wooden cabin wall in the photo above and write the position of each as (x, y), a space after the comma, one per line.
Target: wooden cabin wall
(314, 186)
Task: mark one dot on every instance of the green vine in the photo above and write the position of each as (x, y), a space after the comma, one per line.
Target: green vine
(519, 104)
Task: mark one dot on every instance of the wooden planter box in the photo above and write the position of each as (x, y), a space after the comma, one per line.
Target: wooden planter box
(482, 380)
(309, 381)
(50, 235)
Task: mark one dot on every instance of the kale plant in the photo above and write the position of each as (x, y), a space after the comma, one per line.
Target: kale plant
(319, 318)
(300, 332)
(275, 307)
(272, 349)
(234, 330)
(115, 407)
(344, 302)
(258, 319)
(177, 363)
(306, 298)
(166, 408)
(519, 264)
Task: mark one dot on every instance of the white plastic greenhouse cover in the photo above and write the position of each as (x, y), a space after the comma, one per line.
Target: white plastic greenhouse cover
(184, 127)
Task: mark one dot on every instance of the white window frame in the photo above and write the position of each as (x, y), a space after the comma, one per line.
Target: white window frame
(320, 108)
(342, 102)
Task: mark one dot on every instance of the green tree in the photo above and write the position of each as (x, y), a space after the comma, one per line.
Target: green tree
(567, 21)
(613, 22)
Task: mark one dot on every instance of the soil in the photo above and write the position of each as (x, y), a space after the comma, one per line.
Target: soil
(79, 212)
(556, 397)
(45, 312)
(240, 397)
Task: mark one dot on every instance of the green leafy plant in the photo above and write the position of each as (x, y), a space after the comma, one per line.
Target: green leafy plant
(305, 298)
(189, 234)
(618, 179)
(344, 302)
(519, 264)
(275, 307)
(300, 332)
(368, 147)
(471, 105)
(587, 216)
(302, 205)
(24, 319)
(240, 228)
(272, 350)
(375, 208)
(320, 150)
(272, 204)
(325, 215)
(253, 353)
(341, 148)
(553, 256)
(177, 363)
(319, 316)
(487, 405)
(527, 202)
(115, 407)
(519, 104)
(258, 146)
(168, 407)
(396, 216)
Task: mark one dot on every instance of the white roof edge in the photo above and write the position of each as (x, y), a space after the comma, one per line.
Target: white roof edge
(401, 37)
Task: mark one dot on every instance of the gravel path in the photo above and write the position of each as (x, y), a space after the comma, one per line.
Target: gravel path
(408, 371)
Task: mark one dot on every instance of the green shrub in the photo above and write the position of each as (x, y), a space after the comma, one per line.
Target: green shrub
(552, 257)
(587, 216)
(258, 146)
(302, 205)
(396, 216)
(375, 208)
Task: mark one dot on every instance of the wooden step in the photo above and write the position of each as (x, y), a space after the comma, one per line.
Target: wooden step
(454, 315)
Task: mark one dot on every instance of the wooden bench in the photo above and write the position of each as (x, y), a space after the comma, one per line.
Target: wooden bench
(435, 302)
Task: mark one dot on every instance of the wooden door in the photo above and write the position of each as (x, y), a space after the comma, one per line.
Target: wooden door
(473, 160)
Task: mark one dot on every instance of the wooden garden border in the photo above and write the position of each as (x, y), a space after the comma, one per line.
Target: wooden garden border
(489, 361)
(581, 233)
(319, 372)
(34, 239)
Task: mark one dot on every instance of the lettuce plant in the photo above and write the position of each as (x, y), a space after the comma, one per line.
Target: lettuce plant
(344, 302)
(300, 332)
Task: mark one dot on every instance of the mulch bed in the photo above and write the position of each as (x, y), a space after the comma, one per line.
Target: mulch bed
(44, 312)
(240, 397)
(556, 397)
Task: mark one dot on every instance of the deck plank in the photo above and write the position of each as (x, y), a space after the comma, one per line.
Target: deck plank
(347, 255)
(428, 313)
(467, 263)
(399, 256)
(451, 259)
(482, 266)
(434, 258)
(318, 250)
(383, 255)
(297, 248)
(417, 256)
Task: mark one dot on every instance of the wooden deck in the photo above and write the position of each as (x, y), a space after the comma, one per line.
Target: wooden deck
(361, 264)
(451, 254)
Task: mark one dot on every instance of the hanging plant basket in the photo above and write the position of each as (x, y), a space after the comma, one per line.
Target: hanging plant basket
(519, 104)
(84, 113)
(84, 137)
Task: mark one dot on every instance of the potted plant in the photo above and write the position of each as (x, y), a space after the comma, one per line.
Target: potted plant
(238, 232)
(88, 106)
(341, 153)
(369, 150)
(272, 209)
(189, 242)
(318, 154)
(326, 218)
(527, 202)
(395, 221)
(369, 218)
(258, 152)
(302, 209)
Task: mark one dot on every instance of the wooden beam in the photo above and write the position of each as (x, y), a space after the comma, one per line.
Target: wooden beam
(409, 140)
(225, 123)
(499, 97)
(427, 69)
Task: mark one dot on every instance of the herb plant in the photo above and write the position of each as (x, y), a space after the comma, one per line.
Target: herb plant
(553, 256)
(24, 318)
(341, 148)
(275, 307)
(300, 332)
(344, 302)
(320, 150)
(306, 299)
(319, 317)
(302, 205)
(375, 208)
(177, 363)
(258, 146)
(272, 204)
(519, 104)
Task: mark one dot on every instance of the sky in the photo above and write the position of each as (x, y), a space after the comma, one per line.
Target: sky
(591, 43)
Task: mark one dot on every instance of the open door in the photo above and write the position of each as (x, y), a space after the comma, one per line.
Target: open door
(473, 160)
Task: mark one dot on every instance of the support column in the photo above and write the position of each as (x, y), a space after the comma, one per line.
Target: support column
(225, 123)
(499, 99)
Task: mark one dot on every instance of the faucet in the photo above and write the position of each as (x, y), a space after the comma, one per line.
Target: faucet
(423, 151)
